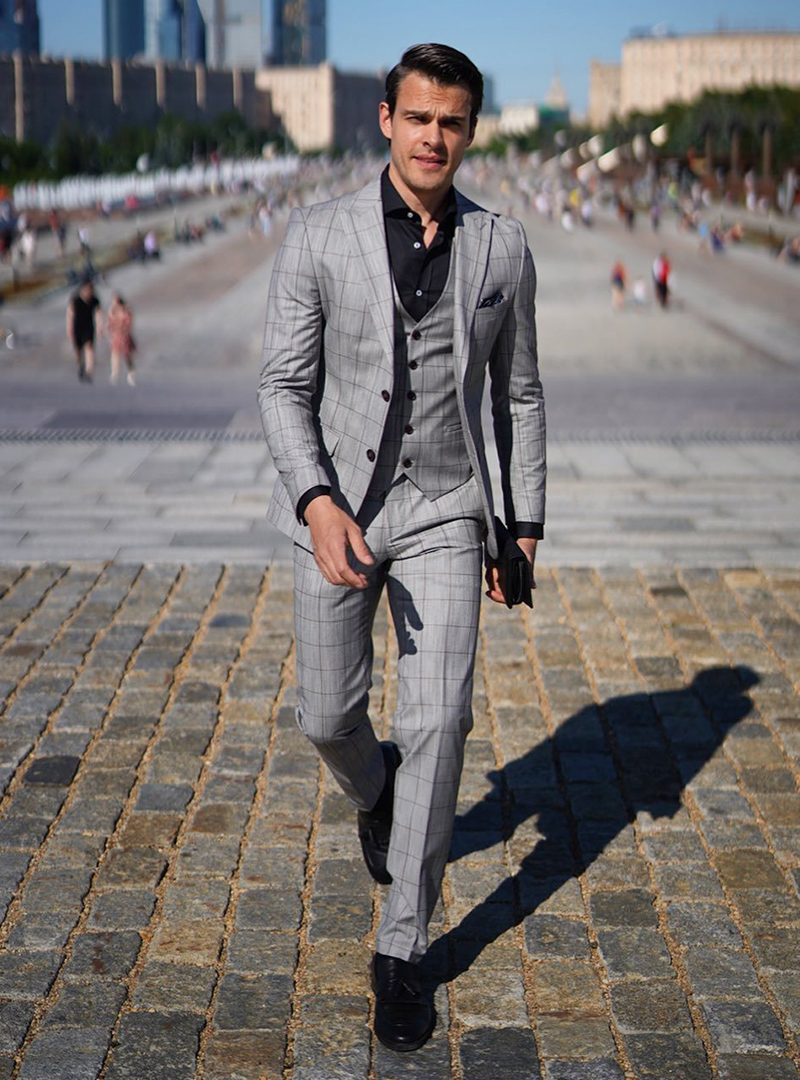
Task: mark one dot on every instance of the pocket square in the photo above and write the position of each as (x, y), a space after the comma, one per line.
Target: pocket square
(492, 301)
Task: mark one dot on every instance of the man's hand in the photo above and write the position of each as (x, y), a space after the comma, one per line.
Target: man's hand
(494, 577)
(333, 535)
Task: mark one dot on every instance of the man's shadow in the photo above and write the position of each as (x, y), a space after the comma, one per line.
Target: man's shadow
(580, 788)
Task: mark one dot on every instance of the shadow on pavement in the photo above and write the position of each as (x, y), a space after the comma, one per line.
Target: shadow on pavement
(633, 755)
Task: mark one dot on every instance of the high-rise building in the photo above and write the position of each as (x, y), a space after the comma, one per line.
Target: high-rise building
(298, 32)
(123, 28)
(234, 33)
(174, 30)
(19, 26)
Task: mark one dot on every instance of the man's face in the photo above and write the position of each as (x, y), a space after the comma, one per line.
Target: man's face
(429, 132)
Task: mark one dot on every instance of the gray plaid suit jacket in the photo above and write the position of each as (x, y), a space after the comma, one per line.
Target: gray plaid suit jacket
(329, 354)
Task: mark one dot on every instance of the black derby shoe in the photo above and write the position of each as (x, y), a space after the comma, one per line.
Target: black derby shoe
(404, 1014)
(375, 825)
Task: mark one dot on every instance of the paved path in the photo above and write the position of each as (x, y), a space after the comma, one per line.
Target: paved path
(185, 894)
(673, 438)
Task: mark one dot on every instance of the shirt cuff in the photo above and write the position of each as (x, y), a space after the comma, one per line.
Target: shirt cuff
(305, 499)
(529, 530)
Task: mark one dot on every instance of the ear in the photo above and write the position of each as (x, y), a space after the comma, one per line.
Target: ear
(385, 120)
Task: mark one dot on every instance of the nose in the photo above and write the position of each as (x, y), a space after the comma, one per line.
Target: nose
(433, 134)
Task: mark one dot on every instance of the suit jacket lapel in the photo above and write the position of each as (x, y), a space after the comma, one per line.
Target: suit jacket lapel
(367, 237)
(470, 262)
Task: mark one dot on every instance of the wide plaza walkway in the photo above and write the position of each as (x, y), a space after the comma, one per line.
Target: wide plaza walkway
(183, 890)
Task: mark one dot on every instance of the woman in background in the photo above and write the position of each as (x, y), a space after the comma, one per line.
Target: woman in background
(119, 323)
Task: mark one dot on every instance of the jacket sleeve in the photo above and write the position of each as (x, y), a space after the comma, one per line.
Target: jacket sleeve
(291, 368)
(518, 402)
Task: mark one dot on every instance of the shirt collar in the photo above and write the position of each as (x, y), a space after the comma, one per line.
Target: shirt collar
(394, 205)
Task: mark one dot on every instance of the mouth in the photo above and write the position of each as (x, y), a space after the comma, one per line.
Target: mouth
(430, 162)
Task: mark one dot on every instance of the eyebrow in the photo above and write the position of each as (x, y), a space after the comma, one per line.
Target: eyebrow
(423, 115)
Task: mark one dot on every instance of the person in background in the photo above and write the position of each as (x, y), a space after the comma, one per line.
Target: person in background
(84, 323)
(661, 275)
(618, 286)
(119, 327)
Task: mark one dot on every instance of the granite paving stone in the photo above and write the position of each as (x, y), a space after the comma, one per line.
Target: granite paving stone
(199, 906)
(83, 1048)
(151, 1044)
(739, 1028)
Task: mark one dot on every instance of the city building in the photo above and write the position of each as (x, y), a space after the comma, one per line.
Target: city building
(604, 93)
(555, 107)
(657, 69)
(320, 108)
(123, 29)
(174, 30)
(38, 95)
(298, 32)
(19, 27)
(518, 118)
(234, 31)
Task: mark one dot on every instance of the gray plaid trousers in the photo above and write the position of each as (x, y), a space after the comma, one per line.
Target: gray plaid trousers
(428, 556)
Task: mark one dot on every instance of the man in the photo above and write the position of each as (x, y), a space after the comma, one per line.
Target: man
(84, 322)
(386, 307)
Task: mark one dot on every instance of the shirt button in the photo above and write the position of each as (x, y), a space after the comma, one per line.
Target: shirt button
(410, 214)
(411, 395)
(409, 429)
(413, 365)
(416, 335)
(385, 395)
(417, 244)
(370, 455)
(407, 463)
(418, 292)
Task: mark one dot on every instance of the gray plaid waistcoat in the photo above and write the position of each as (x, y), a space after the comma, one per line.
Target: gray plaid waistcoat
(423, 439)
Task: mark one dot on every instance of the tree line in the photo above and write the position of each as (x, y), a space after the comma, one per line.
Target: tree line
(171, 143)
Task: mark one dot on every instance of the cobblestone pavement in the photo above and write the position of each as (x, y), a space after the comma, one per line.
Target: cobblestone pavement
(183, 890)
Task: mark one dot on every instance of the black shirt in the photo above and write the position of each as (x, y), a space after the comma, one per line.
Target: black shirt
(420, 275)
(83, 317)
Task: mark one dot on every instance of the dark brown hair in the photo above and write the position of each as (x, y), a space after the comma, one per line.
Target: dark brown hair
(443, 65)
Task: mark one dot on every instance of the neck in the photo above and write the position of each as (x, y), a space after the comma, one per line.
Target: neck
(427, 204)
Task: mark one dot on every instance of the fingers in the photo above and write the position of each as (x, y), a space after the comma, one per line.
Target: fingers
(336, 569)
(494, 583)
(357, 543)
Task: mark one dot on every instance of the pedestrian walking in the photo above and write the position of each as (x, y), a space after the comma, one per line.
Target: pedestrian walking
(386, 308)
(119, 327)
(661, 275)
(84, 324)
(618, 286)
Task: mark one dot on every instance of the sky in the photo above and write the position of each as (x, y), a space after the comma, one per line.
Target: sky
(520, 43)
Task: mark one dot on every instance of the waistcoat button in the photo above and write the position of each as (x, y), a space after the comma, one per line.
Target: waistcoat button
(413, 365)
(370, 455)
(386, 395)
(407, 463)
(411, 395)
(416, 335)
(409, 429)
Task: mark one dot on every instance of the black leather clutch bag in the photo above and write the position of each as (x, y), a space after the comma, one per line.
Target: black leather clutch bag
(514, 567)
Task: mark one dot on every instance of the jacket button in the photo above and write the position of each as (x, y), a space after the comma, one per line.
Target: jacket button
(409, 429)
(411, 395)
(416, 335)
(386, 395)
(407, 463)
(370, 455)
(413, 365)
